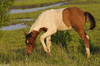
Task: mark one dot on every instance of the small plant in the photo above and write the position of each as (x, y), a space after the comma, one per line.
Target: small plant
(4, 6)
(62, 37)
(1, 34)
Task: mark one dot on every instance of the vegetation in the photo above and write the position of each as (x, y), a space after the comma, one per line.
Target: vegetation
(13, 48)
(4, 18)
(4, 5)
(60, 37)
(85, 1)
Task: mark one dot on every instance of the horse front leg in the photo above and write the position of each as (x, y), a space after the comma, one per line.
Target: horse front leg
(48, 41)
(47, 34)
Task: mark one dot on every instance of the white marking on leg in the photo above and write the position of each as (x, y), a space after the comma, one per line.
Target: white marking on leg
(48, 33)
(42, 41)
(48, 43)
(88, 52)
(87, 36)
(27, 41)
(48, 39)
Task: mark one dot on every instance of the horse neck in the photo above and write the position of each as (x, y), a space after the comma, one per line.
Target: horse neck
(36, 26)
(36, 33)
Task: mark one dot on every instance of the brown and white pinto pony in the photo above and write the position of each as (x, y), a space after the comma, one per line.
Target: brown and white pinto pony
(53, 20)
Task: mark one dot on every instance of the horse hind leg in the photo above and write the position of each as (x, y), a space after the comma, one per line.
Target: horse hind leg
(87, 49)
(86, 35)
(85, 40)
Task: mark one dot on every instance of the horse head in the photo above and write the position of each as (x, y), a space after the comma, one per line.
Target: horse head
(30, 41)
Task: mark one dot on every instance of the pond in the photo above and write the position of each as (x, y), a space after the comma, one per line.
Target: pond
(24, 19)
(13, 27)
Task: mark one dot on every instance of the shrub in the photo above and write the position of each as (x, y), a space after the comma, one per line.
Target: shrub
(62, 37)
(4, 6)
(1, 34)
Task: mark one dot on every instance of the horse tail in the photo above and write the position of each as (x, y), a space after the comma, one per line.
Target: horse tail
(91, 20)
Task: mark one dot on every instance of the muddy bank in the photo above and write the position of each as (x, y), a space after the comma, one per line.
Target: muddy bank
(34, 6)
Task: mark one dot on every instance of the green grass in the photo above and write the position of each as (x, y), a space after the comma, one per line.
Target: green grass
(34, 2)
(13, 48)
(85, 1)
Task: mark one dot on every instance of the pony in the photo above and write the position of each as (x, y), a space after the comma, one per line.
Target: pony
(53, 20)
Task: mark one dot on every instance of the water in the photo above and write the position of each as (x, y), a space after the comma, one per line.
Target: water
(32, 9)
(13, 27)
(24, 19)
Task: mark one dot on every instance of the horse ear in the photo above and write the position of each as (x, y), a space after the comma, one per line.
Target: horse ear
(25, 33)
(32, 34)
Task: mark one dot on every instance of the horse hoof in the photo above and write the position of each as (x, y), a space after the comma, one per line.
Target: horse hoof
(49, 54)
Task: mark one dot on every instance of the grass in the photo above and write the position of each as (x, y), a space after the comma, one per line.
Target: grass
(13, 48)
(34, 2)
(85, 1)
(13, 51)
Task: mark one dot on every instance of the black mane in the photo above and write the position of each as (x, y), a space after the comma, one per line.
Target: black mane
(28, 35)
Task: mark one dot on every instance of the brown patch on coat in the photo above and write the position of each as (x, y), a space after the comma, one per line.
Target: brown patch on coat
(76, 18)
(73, 16)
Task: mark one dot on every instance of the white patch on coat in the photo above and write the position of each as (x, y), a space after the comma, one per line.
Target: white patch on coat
(27, 41)
(87, 36)
(51, 19)
(88, 52)
(87, 49)
(59, 20)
